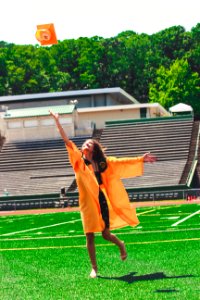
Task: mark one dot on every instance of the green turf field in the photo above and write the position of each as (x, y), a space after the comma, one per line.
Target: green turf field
(43, 256)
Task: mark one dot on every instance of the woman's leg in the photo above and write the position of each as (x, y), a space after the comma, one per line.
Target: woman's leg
(92, 253)
(112, 238)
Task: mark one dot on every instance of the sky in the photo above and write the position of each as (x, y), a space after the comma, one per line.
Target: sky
(86, 18)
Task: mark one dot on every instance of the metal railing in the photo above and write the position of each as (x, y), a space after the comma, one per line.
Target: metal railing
(194, 162)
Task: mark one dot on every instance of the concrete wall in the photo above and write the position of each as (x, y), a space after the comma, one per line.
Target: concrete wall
(99, 116)
(80, 122)
(37, 128)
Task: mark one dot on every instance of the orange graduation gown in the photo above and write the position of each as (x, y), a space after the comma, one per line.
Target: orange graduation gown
(120, 212)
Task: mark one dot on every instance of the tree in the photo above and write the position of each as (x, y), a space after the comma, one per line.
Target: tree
(176, 84)
(193, 55)
(3, 72)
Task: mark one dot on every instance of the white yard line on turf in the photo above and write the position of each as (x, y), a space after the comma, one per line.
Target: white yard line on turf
(99, 245)
(38, 228)
(186, 218)
(150, 210)
(97, 234)
(145, 212)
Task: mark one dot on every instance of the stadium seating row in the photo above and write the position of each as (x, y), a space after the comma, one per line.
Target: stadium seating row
(42, 166)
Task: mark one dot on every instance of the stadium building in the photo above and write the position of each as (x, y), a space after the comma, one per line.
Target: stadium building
(34, 163)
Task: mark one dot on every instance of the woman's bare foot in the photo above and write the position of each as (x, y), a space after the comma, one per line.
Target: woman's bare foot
(93, 273)
(123, 251)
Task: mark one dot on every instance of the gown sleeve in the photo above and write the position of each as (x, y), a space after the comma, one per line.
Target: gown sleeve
(75, 156)
(127, 167)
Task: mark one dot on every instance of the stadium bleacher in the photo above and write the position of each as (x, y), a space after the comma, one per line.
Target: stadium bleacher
(36, 167)
(167, 138)
(42, 166)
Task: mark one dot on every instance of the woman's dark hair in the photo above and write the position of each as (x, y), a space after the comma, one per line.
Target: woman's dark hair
(99, 156)
(98, 152)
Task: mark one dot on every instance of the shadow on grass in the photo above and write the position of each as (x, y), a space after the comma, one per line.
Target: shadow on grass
(167, 291)
(132, 277)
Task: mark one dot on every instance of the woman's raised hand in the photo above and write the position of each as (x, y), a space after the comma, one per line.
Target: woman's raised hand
(55, 115)
(61, 130)
(148, 157)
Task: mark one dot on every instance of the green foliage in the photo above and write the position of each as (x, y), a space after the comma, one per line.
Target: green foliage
(176, 84)
(143, 65)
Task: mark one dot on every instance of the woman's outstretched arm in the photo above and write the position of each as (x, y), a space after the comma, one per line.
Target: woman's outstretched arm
(61, 130)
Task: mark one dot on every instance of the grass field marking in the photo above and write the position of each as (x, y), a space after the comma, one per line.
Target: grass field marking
(98, 245)
(154, 209)
(164, 241)
(97, 234)
(38, 228)
(186, 218)
(145, 212)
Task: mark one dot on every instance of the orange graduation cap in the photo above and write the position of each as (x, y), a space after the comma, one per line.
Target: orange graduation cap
(46, 34)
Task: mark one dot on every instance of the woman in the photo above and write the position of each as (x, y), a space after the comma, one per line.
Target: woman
(103, 200)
